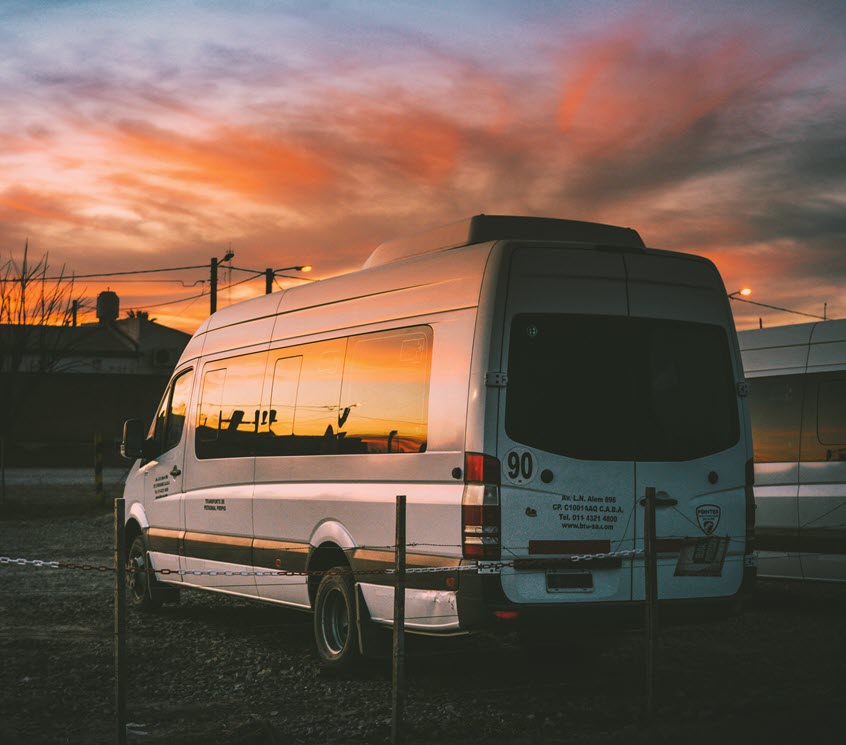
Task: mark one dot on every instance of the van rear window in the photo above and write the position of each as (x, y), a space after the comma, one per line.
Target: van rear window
(620, 388)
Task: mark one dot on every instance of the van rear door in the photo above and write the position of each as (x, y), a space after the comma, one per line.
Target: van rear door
(568, 485)
(689, 443)
(620, 376)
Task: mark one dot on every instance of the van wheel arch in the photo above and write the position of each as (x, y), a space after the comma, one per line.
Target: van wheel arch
(149, 594)
(130, 530)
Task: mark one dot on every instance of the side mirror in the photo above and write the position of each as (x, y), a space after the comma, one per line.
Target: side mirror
(132, 444)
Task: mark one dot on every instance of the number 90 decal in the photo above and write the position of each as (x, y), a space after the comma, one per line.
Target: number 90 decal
(519, 466)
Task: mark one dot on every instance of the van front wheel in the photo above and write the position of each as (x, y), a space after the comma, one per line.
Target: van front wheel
(335, 623)
(144, 592)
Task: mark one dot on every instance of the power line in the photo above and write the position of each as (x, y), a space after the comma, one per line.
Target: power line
(156, 281)
(290, 276)
(190, 297)
(115, 274)
(776, 307)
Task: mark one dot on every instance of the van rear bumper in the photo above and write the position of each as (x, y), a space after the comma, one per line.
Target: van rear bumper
(482, 604)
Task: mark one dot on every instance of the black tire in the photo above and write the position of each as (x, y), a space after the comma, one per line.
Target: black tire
(145, 593)
(335, 622)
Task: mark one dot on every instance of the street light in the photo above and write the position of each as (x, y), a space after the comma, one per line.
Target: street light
(745, 292)
(269, 274)
(228, 256)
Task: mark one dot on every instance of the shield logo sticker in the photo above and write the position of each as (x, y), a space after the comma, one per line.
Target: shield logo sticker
(708, 517)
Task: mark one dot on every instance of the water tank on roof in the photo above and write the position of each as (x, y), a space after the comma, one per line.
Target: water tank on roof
(108, 306)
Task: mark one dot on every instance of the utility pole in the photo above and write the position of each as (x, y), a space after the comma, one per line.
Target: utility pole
(213, 287)
(268, 281)
(228, 256)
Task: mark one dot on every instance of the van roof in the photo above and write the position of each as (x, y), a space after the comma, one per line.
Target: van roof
(813, 332)
(482, 228)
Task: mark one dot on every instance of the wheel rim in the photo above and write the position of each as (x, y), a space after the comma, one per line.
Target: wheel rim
(335, 622)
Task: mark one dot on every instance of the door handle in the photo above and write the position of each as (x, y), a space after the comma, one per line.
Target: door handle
(175, 471)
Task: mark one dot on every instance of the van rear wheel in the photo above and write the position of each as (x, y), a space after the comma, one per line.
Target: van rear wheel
(335, 621)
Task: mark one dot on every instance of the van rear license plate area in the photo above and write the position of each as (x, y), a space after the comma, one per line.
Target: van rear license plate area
(564, 581)
(702, 557)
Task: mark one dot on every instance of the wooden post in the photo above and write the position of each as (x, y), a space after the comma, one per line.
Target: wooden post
(2, 470)
(213, 287)
(98, 468)
(120, 623)
(398, 698)
(650, 565)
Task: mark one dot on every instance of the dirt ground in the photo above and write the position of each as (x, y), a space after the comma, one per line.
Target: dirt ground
(218, 670)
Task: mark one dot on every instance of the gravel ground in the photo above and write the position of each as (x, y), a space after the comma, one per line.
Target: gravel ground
(219, 670)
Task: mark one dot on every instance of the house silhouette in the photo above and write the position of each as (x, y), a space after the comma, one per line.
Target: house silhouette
(98, 375)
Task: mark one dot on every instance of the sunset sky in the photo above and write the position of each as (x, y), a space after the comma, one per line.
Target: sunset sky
(143, 135)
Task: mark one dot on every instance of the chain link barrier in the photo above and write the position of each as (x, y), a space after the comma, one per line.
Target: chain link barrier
(482, 567)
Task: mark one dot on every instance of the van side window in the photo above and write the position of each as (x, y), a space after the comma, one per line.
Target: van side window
(775, 405)
(831, 413)
(824, 418)
(315, 425)
(211, 401)
(276, 428)
(385, 397)
(229, 411)
(169, 424)
(361, 394)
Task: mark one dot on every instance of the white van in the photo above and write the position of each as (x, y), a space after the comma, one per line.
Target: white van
(798, 409)
(521, 380)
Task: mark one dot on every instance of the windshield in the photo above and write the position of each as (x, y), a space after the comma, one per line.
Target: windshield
(620, 388)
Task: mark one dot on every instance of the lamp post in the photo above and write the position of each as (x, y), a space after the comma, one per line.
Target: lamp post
(213, 279)
(745, 292)
(269, 274)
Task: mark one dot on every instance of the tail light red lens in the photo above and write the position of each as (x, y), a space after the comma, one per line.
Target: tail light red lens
(481, 469)
(480, 513)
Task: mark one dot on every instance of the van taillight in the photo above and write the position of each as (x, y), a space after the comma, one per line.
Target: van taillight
(750, 506)
(481, 469)
(480, 516)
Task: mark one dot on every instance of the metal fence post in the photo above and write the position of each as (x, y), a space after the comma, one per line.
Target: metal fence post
(98, 467)
(120, 624)
(398, 698)
(650, 565)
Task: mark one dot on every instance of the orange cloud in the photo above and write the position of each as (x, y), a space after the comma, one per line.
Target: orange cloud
(634, 89)
(24, 205)
(416, 141)
(245, 160)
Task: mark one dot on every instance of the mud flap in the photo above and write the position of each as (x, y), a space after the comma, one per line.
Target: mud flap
(371, 639)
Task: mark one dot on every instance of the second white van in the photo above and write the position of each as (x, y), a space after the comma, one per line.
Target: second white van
(798, 408)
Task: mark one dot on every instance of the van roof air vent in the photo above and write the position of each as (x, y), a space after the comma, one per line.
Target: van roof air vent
(482, 228)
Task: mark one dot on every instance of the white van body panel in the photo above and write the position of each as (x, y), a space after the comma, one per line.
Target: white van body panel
(216, 511)
(801, 496)
(136, 512)
(432, 611)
